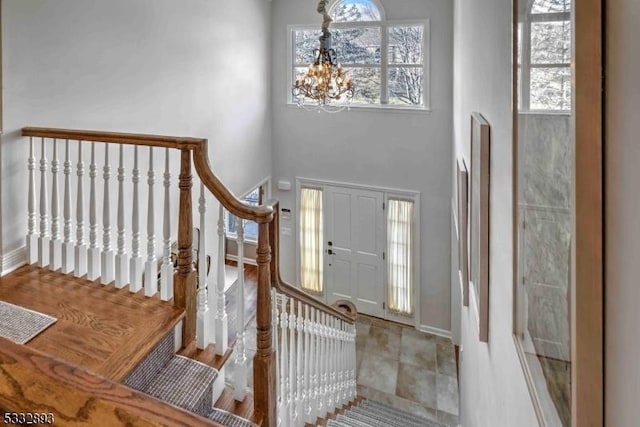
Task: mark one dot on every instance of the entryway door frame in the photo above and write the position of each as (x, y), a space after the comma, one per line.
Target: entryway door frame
(388, 193)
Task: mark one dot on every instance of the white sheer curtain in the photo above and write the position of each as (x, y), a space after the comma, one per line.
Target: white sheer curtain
(311, 239)
(400, 256)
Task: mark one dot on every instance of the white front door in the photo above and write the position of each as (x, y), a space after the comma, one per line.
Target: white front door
(354, 243)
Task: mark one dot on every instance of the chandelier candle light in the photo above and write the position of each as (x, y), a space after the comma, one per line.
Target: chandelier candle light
(325, 81)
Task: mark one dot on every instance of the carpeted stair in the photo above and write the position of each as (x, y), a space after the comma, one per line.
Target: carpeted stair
(369, 413)
(181, 381)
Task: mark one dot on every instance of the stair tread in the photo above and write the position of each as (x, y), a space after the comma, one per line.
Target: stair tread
(369, 413)
(228, 419)
(373, 404)
(185, 383)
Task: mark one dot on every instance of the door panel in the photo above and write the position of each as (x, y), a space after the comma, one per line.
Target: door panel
(354, 224)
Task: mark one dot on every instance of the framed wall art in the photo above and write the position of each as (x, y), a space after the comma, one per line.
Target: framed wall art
(463, 229)
(479, 221)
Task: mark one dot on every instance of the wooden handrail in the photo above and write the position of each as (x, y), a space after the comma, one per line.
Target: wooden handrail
(35, 382)
(290, 290)
(260, 214)
(113, 137)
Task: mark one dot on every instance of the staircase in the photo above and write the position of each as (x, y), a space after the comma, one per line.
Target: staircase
(182, 382)
(369, 413)
(304, 363)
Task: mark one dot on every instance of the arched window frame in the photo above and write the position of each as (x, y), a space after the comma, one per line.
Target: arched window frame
(376, 3)
(526, 20)
(384, 25)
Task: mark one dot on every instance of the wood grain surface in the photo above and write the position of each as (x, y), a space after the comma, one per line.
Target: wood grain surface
(32, 381)
(103, 329)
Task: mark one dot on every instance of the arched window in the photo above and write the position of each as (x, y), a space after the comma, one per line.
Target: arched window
(545, 56)
(356, 11)
(386, 60)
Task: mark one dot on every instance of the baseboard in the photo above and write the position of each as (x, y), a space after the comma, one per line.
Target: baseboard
(246, 260)
(13, 260)
(435, 331)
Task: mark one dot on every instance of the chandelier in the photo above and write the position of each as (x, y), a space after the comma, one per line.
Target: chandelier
(325, 83)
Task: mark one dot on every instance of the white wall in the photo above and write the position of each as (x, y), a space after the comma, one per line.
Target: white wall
(390, 149)
(492, 385)
(622, 210)
(187, 68)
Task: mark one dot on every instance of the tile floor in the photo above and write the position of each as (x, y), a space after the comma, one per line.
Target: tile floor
(407, 369)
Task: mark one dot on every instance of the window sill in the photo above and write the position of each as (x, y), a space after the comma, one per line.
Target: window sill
(544, 113)
(374, 108)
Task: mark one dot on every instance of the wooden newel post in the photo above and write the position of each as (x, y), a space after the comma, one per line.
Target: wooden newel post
(264, 368)
(185, 277)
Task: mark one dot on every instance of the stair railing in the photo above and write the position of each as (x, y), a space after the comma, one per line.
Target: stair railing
(319, 368)
(315, 346)
(139, 266)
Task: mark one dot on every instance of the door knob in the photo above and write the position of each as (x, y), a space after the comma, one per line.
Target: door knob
(330, 252)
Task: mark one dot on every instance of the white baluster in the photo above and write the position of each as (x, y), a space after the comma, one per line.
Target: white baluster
(135, 271)
(307, 362)
(55, 245)
(343, 364)
(299, 398)
(32, 235)
(93, 271)
(275, 316)
(222, 333)
(320, 365)
(166, 273)
(81, 246)
(347, 346)
(108, 268)
(240, 369)
(314, 349)
(122, 260)
(323, 364)
(284, 362)
(336, 363)
(151, 266)
(331, 376)
(203, 328)
(345, 392)
(335, 357)
(43, 240)
(352, 346)
(292, 363)
(67, 244)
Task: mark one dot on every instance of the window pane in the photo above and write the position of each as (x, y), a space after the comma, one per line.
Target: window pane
(550, 88)
(253, 197)
(551, 42)
(311, 239)
(399, 261)
(357, 45)
(405, 85)
(366, 83)
(304, 42)
(251, 230)
(354, 11)
(405, 44)
(551, 6)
